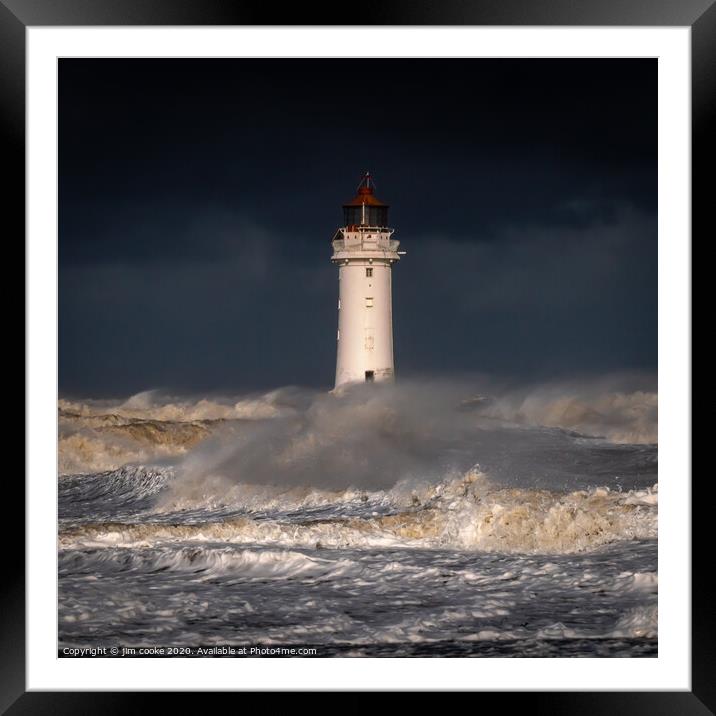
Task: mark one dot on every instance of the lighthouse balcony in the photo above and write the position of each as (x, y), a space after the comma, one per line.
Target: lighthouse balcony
(366, 248)
(376, 240)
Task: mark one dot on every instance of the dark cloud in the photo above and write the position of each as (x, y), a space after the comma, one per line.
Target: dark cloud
(198, 198)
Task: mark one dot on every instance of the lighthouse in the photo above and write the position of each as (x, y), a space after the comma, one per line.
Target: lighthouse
(364, 251)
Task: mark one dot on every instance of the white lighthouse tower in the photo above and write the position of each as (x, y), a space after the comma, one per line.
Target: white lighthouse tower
(365, 251)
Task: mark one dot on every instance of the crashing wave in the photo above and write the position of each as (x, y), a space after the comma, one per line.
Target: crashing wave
(102, 435)
(211, 563)
(619, 416)
(464, 514)
(92, 450)
(152, 405)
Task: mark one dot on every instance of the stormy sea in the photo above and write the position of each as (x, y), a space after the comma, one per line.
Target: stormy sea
(415, 519)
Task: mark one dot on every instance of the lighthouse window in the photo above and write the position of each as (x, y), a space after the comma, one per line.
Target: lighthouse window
(369, 272)
(369, 302)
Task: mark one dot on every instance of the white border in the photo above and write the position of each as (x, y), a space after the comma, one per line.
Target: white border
(671, 670)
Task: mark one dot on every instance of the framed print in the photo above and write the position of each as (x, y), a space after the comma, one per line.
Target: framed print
(356, 349)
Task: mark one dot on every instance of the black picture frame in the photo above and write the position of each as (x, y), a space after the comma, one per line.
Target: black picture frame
(699, 15)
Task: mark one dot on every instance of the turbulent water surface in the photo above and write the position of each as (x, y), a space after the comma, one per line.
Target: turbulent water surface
(381, 522)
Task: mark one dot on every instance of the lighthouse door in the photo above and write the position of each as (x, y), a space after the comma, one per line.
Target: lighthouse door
(369, 376)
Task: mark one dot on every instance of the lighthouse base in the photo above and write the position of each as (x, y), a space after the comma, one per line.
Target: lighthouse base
(385, 375)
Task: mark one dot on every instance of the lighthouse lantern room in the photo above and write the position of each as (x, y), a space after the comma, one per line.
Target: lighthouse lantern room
(365, 252)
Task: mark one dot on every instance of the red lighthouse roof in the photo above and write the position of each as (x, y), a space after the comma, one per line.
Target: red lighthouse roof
(365, 194)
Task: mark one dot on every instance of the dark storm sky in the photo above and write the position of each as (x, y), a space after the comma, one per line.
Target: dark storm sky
(198, 199)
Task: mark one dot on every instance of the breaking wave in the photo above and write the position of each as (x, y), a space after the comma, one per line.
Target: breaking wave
(209, 563)
(467, 514)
